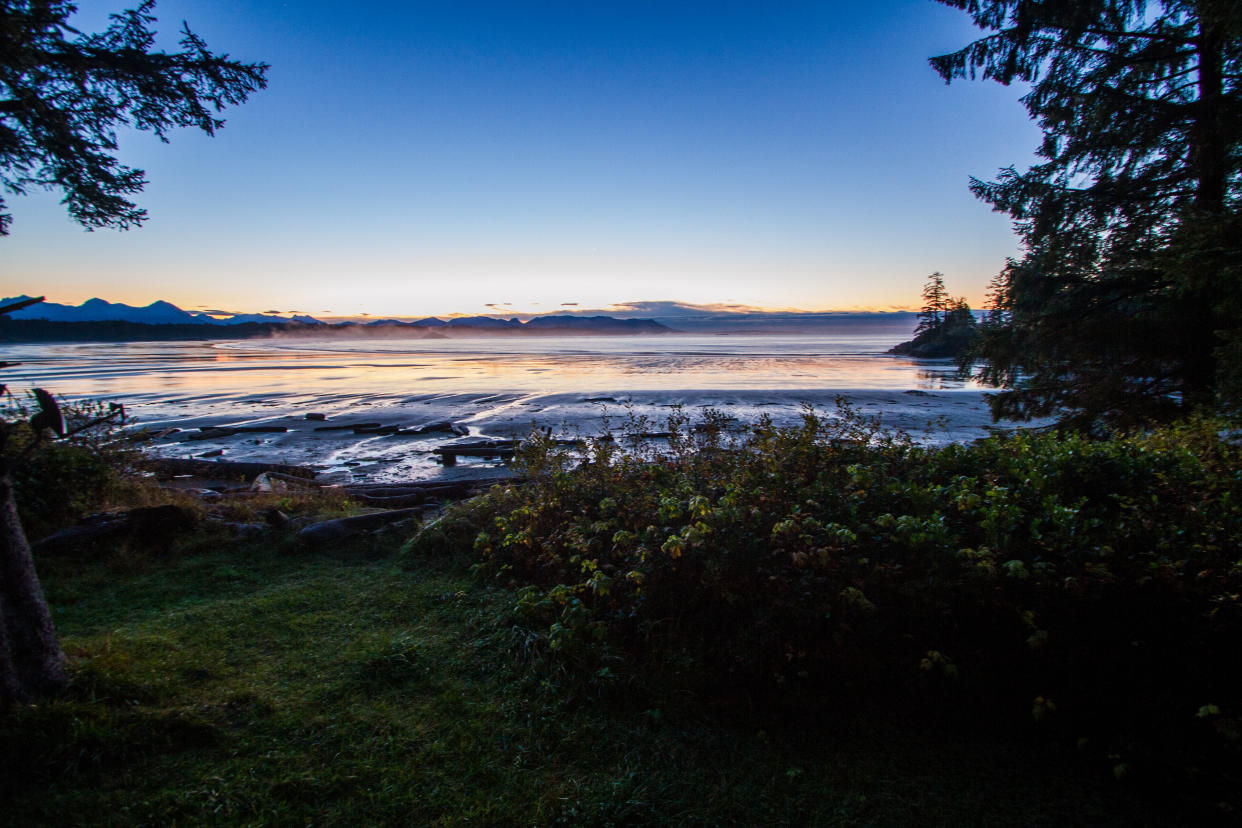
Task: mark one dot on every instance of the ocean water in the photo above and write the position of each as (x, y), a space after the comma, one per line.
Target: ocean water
(309, 370)
(495, 387)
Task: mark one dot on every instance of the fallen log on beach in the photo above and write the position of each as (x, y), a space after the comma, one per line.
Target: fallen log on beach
(349, 427)
(292, 478)
(411, 494)
(376, 429)
(212, 432)
(382, 489)
(502, 449)
(156, 525)
(442, 427)
(393, 489)
(334, 530)
(392, 501)
(220, 469)
(247, 429)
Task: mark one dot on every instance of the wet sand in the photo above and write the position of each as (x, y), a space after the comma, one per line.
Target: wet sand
(930, 417)
(493, 389)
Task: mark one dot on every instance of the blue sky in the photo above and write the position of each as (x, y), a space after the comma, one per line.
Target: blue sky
(414, 158)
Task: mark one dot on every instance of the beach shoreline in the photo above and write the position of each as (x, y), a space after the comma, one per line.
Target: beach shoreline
(577, 387)
(331, 445)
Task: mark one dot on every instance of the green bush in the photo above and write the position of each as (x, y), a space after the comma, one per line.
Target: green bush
(57, 481)
(1087, 588)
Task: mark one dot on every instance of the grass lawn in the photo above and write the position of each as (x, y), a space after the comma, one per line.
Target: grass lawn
(263, 684)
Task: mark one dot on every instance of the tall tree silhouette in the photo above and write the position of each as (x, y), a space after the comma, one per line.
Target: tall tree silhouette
(1126, 302)
(63, 94)
(936, 303)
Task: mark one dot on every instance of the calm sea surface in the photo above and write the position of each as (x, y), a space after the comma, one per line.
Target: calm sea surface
(305, 371)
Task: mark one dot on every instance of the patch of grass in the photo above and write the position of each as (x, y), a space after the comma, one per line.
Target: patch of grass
(238, 684)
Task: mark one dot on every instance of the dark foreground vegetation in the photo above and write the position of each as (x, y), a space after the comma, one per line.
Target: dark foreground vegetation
(1083, 592)
(816, 625)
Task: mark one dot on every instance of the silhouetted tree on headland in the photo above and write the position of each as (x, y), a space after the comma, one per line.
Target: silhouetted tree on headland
(1127, 302)
(946, 328)
(935, 303)
(63, 93)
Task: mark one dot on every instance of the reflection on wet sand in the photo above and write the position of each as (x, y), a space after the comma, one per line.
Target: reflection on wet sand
(496, 387)
(663, 363)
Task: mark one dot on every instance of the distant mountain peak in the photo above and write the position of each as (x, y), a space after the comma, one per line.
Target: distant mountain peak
(159, 312)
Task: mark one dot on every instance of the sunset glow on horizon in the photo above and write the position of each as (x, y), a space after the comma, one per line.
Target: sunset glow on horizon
(429, 159)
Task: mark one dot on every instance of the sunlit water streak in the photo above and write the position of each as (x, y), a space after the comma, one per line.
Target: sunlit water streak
(196, 370)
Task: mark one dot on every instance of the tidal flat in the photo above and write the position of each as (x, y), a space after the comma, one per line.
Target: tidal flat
(491, 388)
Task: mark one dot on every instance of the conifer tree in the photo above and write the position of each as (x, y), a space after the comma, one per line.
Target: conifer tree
(1126, 303)
(63, 94)
(935, 303)
(946, 328)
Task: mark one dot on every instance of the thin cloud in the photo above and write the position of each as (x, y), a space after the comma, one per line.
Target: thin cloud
(670, 308)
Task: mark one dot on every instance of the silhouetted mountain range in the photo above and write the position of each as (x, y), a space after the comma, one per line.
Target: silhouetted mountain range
(156, 313)
(98, 320)
(42, 322)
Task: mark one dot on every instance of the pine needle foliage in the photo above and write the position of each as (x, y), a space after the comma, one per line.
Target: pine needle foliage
(64, 94)
(1124, 307)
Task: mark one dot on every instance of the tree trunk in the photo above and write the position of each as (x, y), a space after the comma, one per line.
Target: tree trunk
(31, 661)
(1209, 136)
(1209, 157)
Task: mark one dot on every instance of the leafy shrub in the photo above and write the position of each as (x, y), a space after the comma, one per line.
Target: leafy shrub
(57, 481)
(1089, 588)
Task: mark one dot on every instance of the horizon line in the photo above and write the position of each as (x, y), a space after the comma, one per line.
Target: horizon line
(652, 308)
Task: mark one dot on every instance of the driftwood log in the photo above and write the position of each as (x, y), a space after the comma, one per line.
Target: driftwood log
(381, 430)
(350, 427)
(155, 525)
(222, 470)
(400, 495)
(334, 530)
(212, 432)
(443, 427)
(402, 501)
(503, 449)
(376, 429)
